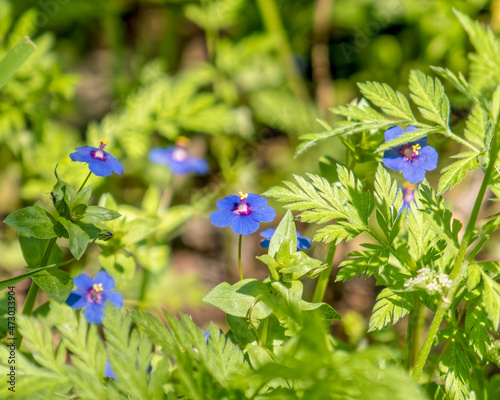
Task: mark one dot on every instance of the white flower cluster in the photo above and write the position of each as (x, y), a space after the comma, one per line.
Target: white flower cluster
(428, 281)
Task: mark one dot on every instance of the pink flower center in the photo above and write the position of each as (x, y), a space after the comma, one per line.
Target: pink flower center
(410, 152)
(94, 295)
(100, 153)
(180, 154)
(242, 208)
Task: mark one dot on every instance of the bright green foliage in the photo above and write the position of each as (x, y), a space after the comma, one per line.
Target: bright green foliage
(390, 308)
(14, 59)
(455, 370)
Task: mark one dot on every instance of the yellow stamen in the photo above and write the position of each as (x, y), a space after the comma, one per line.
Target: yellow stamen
(104, 141)
(182, 141)
(416, 148)
(243, 195)
(98, 287)
(409, 185)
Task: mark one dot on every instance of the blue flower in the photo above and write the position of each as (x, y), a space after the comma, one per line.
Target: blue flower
(302, 241)
(413, 158)
(408, 190)
(178, 159)
(243, 213)
(101, 163)
(108, 371)
(93, 294)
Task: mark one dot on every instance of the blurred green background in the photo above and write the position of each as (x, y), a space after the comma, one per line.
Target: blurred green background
(243, 79)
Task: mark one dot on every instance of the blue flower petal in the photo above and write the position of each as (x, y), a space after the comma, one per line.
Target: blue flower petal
(108, 371)
(263, 214)
(161, 156)
(228, 202)
(393, 133)
(413, 173)
(256, 201)
(222, 218)
(83, 282)
(76, 300)
(197, 165)
(113, 163)
(99, 167)
(268, 233)
(94, 312)
(115, 298)
(244, 225)
(395, 163)
(105, 279)
(83, 154)
(303, 242)
(428, 158)
(265, 244)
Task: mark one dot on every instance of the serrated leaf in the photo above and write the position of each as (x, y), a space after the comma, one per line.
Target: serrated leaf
(407, 137)
(428, 94)
(348, 128)
(363, 262)
(473, 276)
(455, 369)
(386, 195)
(455, 172)
(390, 308)
(360, 112)
(478, 128)
(391, 102)
(475, 326)
(491, 299)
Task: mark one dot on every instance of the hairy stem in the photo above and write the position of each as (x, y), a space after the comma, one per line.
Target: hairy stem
(460, 266)
(324, 277)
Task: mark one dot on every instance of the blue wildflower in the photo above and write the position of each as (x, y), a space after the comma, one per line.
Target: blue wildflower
(93, 294)
(178, 159)
(412, 158)
(408, 190)
(108, 371)
(101, 163)
(303, 242)
(243, 213)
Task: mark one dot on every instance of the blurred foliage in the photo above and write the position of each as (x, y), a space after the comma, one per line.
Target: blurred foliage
(240, 84)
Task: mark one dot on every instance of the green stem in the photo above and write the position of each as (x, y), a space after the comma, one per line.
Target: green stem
(239, 258)
(460, 266)
(416, 332)
(85, 181)
(324, 277)
(263, 338)
(272, 20)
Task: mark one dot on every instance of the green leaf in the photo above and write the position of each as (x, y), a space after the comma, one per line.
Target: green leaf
(478, 128)
(244, 297)
(485, 63)
(56, 283)
(78, 238)
(15, 58)
(367, 262)
(455, 172)
(347, 128)
(34, 250)
(428, 94)
(455, 371)
(476, 326)
(81, 197)
(322, 310)
(33, 221)
(390, 308)
(285, 233)
(473, 276)
(407, 137)
(389, 200)
(95, 214)
(360, 111)
(491, 299)
(391, 102)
